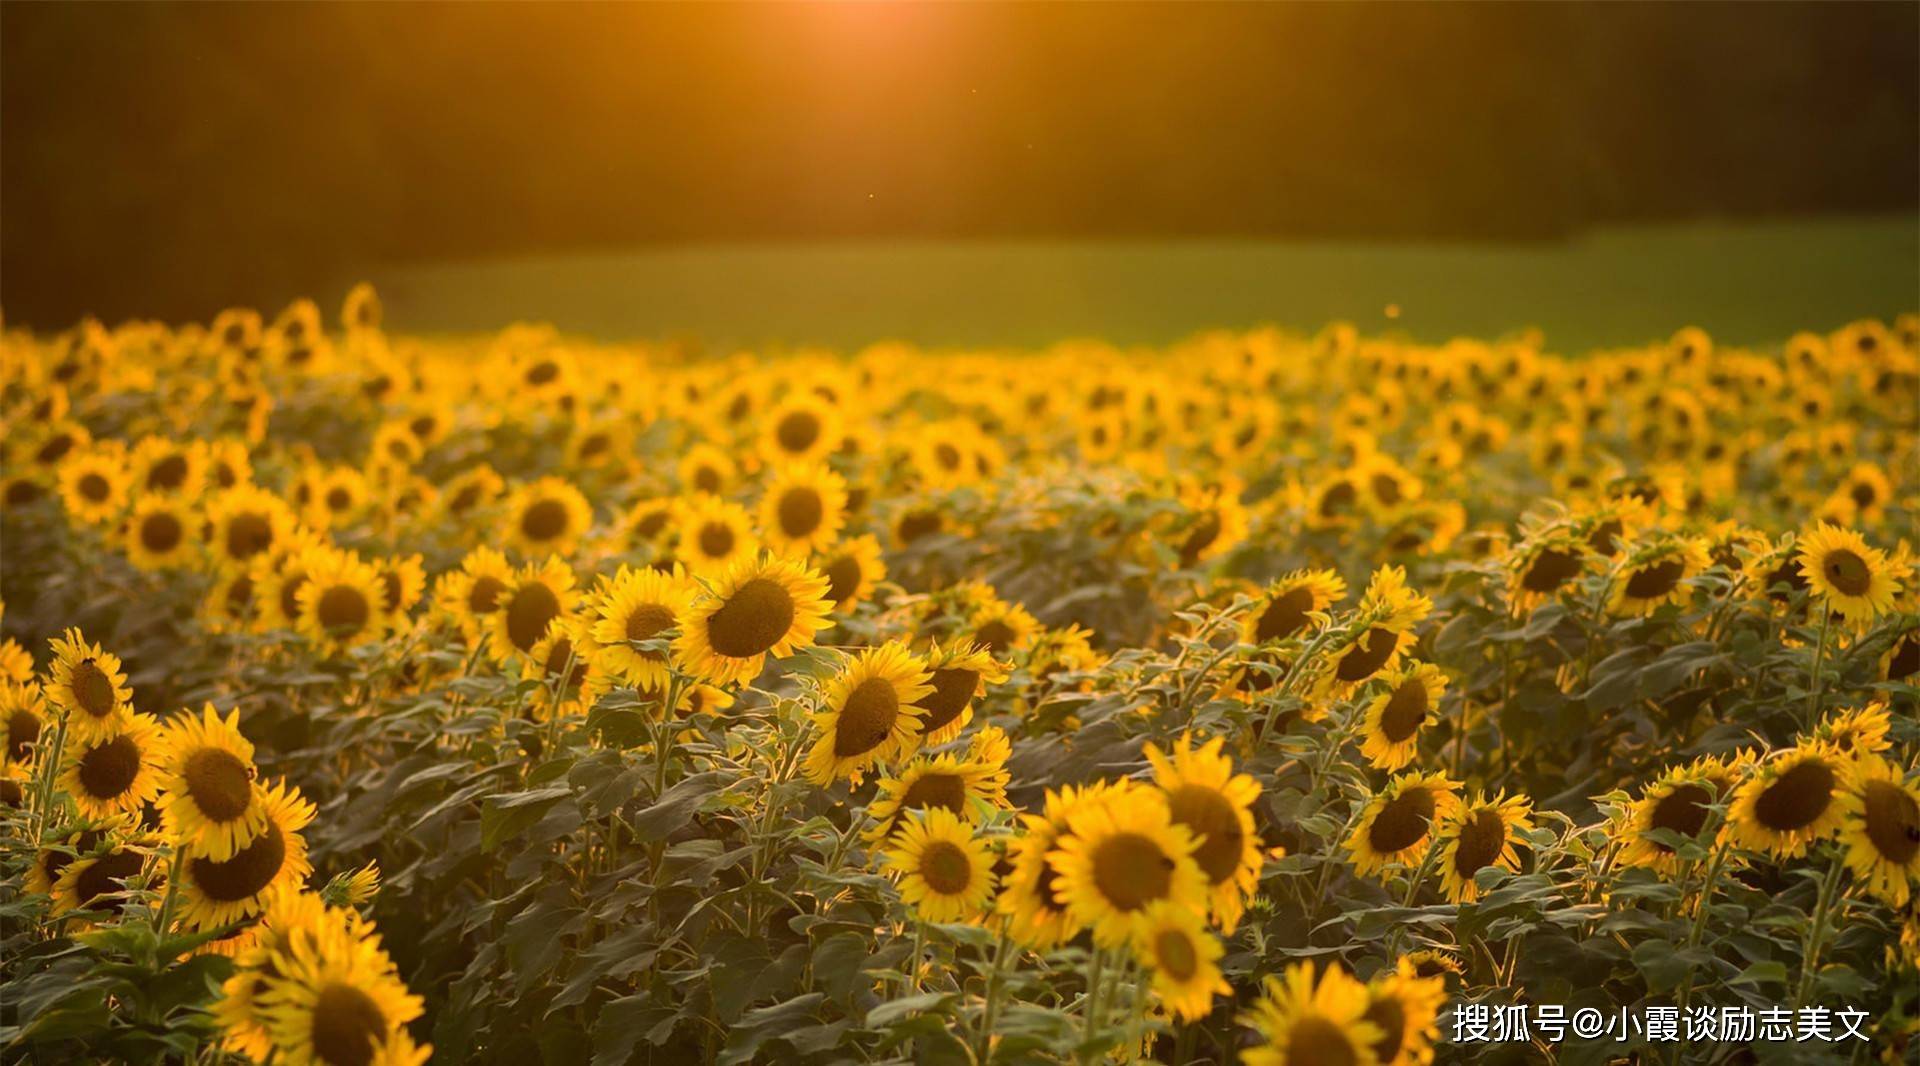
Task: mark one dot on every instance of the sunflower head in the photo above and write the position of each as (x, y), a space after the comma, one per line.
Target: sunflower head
(1790, 801)
(1301, 1020)
(756, 608)
(869, 713)
(945, 869)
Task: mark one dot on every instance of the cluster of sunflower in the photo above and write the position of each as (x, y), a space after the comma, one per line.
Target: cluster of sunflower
(1013, 705)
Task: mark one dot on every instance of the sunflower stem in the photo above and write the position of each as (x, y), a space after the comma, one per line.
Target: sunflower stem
(1817, 930)
(1819, 675)
(1137, 1024)
(990, 1011)
(1090, 1020)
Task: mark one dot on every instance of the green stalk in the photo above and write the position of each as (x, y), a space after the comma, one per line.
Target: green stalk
(1819, 661)
(1817, 931)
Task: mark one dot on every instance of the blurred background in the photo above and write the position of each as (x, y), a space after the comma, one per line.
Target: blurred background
(968, 174)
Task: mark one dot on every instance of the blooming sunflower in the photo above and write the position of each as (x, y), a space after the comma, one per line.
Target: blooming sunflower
(1789, 801)
(714, 534)
(959, 673)
(172, 469)
(340, 602)
(802, 427)
(1216, 523)
(1901, 660)
(332, 998)
(1853, 579)
(705, 469)
(1679, 800)
(1029, 897)
(159, 533)
(470, 491)
(1215, 806)
(96, 881)
(945, 871)
(1286, 603)
(1390, 724)
(16, 662)
(1880, 829)
(116, 773)
(1857, 732)
(565, 662)
(548, 516)
(538, 595)
(470, 594)
(287, 914)
(214, 892)
(1655, 573)
(1405, 1006)
(243, 522)
(1542, 565)
(1302, 1022)
(93, 486)
(1124, 852)
(1479, 834)
(212, 800)
(23, 716)
(945, 782)
(639, 605)
(803, 508)
(88, 685)
(758, 607)
(402, 579)
(1397, 823)
(1000, 627)
(868, 713)
(1174, 943)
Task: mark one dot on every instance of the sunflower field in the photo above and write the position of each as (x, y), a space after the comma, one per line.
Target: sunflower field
(1325, 700)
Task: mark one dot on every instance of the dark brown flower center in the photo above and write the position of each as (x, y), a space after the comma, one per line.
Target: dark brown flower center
(1549, 570)
(1366, 658)
(946, 868)
(801, 511)
(1319, 1041)
(867, 719)
(92, 688)
(484, 595)
(647, 621)
(843, 578)
(919, 523)
(1651, 582)
(953, 689)
(343, 609)
(219, 782)
(347, 1026)
(161, 532)
(248, 534)
(1406, 710)
(798, 431)
(532, 609)
(1131, 871)
(247, 873)
(1797, 798)
(752, 620)
(1390, 1016)
(1215, 824)
(1176, 954)
(1284, 616)
(996, 636)
(1403, 821)
(1482, 838)
(108, 770)
(95, 487)
(936, 790)
(545, 520)
(1684, 810)
(102, 879)
(167, 474)
(23, 729)
(716, 540)
(1893, 821)
(1847, 572)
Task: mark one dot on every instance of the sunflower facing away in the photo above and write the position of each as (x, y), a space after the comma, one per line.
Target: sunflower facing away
(759, 607)
(1479, 834)
(1789, 801)
(212, 800)
(1215, 805)
(868, 714)
(1124, 852)
(945, 871)
(1301, 1022)
(1397, 824)
(1173, 942)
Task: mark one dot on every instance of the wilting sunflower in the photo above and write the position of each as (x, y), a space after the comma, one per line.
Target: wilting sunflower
(945, 871)
(1397, 823)
(538, 595)
(959, 673)
(548, 516)
(93, 485)
(1173, 942)
(23, 716)
(88, 685)
(868, 713)
(801, 428)
(1679, 800)
(1304, 1023)
(1122, 853)
(243, 522)
(1285, 604)
(803, 508)
(1390, 725)
(212, 801)
(159, 533)
(1852, 578)
(333, 998)
(1789, 801)
(1405, 1006)
(1654, 574)
(1880, 829)
(1542, 565)
(639, 605)
(1477, 834)
(1215, 805)
(1857, 732)
(759, 607)
(714, 534)
(115, 774)
(470, 595)
(214, 892)
(340, 602)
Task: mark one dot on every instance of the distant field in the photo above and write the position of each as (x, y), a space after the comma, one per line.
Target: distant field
(1747, 283)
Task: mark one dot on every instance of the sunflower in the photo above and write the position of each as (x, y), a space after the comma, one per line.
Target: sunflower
(402, 580)
(1867, 486)
(167, 468)
(1215, 524)
(93, 486)
(1789, 802)
(87, 684)
(1397, 823)
(333, 998)
(639, 605)
(118, 773)
(287, 914)
(706, 470)
(159, 533)
(214, 892)
(944, 782)
(96, 881)
(564, 662)
(470, 594)
(1030, 889)
(1853, 579)
(911, 524)
(1880, 829)
(340, 602)
(800, 428)
(470, 492)
(1173, 942)
(803, 508)
(1901, 660)
(1332, 502)
(647, 522)
(1284, 606)
(1392, 720)
(869, 713)
(959, 673)
(1123, 852)
(1302, 1022)
(1654, 574)
(1215, 806)
(548, 516)
(1479, 834)
(16, 662)
(1541, 566)
(538, 595)
(1405, 1006)
(1679, 800)
(278, 577)
(999, 627)
(852, 568)
(243, 522)
(714, 534)
(945, 870)
(756, 608)
(23, 716)
(212, 801)
(1858, 732)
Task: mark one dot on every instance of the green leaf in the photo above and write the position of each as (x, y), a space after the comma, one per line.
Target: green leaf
(505, 817)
